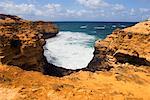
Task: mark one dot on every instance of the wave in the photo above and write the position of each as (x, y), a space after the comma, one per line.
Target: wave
(70, 50)
(99, 27)
(83, 27)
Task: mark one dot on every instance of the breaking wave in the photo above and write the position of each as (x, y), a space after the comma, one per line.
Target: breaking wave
(70, 50)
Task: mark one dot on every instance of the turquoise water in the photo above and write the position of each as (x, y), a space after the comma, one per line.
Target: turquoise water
(91, 27)
(73, 47)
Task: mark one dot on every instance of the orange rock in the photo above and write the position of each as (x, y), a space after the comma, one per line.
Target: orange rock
(130, 45)
(21, 42)
(123, 53)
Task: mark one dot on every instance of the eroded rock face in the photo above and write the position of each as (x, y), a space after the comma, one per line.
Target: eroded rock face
(130, 45)
(47, 28)
(17, 84)
(22, 41)
(124, 81)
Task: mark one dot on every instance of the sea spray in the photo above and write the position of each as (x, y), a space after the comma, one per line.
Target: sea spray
(70, 50)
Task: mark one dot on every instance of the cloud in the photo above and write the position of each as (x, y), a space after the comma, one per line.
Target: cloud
(53, 7)
(139, 11)
(50, 10)
(98, 5)
(84, 10)
(144, 10)
(93, 4)
(76, 13)
(9, 7)
(118, 7)
(132, 11)
(12, 8)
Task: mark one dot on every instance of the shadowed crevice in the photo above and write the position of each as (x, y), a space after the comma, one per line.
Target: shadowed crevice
(134, 60)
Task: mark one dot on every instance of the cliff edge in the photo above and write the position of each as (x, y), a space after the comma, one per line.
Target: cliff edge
(130, 46)
(120, 68)
(22, 41)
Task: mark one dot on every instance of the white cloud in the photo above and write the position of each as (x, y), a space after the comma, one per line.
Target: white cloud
(93, 4)
(76, 13)
(50, 10)
(132, 11)
(118, 7)
(98, 5)
(12, 8)
(88, 10)
(139, 11)
(53, 7)
(144, 10)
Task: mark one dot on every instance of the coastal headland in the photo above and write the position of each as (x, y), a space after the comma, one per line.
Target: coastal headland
(119, 70)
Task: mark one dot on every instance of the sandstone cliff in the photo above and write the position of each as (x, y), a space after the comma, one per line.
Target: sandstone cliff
(120, 67)
(128, 46)
(22, 41)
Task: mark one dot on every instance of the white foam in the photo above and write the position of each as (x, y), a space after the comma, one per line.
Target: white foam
(69, 50)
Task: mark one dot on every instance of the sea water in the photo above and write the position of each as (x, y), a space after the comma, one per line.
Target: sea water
(73, 47)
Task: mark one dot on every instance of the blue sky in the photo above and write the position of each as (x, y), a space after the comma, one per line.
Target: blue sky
(78, 10)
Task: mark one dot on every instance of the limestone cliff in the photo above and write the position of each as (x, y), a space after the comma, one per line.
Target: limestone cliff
(120, 67)
(128, 46)
(22, 41)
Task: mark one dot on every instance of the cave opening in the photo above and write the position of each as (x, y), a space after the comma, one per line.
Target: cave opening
(134, 60)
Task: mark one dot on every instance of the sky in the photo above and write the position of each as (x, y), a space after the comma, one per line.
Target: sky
(78, 10)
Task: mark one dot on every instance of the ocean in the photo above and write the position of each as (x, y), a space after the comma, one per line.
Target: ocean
(73, 47)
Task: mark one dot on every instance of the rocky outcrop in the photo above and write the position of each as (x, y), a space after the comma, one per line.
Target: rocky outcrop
(125, 53)
(17, 84)
(130, 45)
(5, 17)
(22, 41)
(47, 28)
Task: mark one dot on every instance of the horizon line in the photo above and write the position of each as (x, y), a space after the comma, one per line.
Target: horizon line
(101, 21)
